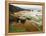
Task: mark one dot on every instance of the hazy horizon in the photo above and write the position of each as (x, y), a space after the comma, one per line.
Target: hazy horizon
(31, 7)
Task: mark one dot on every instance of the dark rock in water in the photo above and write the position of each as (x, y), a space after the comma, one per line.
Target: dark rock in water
(23, 21)
(20, 20)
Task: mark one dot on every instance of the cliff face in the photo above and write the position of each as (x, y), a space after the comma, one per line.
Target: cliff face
(14, 9)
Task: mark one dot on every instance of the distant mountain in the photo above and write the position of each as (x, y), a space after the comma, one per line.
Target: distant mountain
(16, 9)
